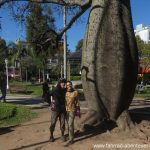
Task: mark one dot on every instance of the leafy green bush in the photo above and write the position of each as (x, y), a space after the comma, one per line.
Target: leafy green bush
(145, 94)
(14, 114)
(75, 78)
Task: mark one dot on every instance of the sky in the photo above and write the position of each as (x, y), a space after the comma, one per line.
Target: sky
(12, 31)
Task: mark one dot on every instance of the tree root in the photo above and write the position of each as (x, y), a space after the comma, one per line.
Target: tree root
(125, 124)
(89, 119)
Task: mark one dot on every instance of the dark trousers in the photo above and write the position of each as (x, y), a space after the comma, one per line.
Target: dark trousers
(3, 91)
(54, 116)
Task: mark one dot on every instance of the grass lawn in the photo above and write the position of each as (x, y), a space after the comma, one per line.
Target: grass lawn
(144, 94)
(11, 115)
(32, 89)
(35, 90)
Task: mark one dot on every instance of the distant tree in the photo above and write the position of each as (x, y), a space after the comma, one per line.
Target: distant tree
(79, 45)
(16, 54)
(144, 53)
(40, 32)
(140, 44)
(3, 54)
(40, 27)
(145, 57)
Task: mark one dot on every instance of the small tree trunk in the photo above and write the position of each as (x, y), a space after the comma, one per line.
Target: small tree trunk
(43, 75)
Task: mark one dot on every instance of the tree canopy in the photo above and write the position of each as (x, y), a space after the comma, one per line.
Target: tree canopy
(81, 5)
(144, 53)
(39, 24)
(79, 45)
(3, 53)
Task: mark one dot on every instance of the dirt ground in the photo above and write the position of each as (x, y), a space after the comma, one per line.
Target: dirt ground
(34, 135)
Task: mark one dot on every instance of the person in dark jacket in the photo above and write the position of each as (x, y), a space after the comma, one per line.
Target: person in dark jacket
(58, 108)
(45, 88)
(3, 87)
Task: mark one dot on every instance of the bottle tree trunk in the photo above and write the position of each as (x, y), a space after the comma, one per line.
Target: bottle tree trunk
(109, 60)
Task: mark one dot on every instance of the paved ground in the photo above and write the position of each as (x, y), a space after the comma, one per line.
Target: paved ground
(34, 135)
(139, 107)
(137, 103)
(34, 102)
(27, 100)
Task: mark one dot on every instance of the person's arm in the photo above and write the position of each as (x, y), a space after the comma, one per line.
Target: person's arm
(77, 99)
(49, 95)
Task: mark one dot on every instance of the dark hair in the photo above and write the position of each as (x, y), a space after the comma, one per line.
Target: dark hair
(61, 80)
(69, 82)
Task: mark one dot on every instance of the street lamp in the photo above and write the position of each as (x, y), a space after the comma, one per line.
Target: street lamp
(65, 43)
(6, 63)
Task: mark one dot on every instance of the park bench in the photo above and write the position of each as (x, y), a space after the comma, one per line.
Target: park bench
(18, 89)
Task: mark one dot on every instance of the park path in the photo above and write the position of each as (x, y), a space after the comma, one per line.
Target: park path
(34, 134)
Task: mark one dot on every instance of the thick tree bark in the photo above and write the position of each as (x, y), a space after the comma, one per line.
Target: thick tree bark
(109, 62)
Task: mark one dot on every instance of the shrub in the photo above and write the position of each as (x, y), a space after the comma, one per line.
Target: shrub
(14, 114)
(75, 78)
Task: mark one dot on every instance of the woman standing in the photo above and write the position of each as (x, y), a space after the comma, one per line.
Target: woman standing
(58, 108)
(72, 101)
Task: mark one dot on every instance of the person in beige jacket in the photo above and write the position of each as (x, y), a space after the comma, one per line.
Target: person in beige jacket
(72, 101)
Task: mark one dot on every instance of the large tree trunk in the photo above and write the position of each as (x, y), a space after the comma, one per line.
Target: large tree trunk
(109, 62)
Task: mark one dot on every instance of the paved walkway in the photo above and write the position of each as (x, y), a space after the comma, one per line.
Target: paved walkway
(34, 102)
(139, 104)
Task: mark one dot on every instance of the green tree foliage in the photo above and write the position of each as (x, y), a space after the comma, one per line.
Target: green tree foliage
(40, 29)
(140, 44)
(40, 35)
(3, 54)
(79, 45)
(144, 53)
(16, 53)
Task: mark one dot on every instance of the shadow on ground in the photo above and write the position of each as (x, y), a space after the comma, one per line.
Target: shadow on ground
(25, 101)
(31, 145)
(140, 114)
(5, 130)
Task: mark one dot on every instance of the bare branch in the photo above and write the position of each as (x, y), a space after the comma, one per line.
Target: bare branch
(74, 18)
(59, 2)
(78, 14)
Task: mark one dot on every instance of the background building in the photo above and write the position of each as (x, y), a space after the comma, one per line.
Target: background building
(143, 32)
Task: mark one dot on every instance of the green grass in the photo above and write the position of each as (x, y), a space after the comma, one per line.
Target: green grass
(36, 90)
(13, 82)
(11, 115)
(32, 89)
(144, 94)
(75, 78)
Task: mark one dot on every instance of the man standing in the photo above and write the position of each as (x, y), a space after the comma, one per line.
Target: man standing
(3, 87)
(58, 108)
(72, 101)
(45, 88)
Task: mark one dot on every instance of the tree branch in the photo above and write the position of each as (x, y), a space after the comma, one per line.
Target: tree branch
(74, 18)
(83, 4)
(59, 2)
